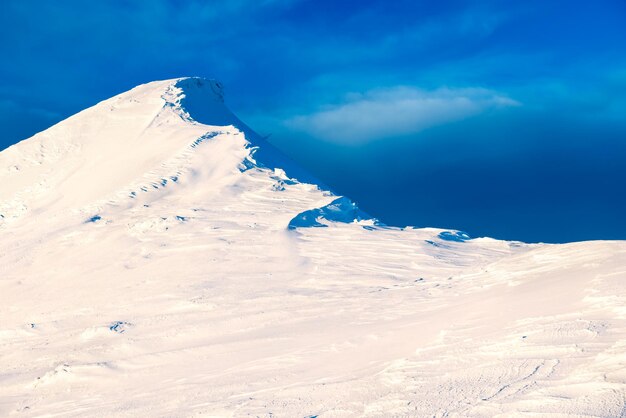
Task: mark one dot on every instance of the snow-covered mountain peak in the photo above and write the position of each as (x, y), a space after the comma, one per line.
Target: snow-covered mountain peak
(161, 135)
(158, 257)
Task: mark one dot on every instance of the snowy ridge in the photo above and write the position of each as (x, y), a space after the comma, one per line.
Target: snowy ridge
(158, 258)
(169, 118)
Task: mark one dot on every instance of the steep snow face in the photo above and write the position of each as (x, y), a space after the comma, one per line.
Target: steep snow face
(138, 140)
(158, 258)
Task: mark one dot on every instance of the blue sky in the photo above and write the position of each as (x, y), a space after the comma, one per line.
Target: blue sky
(499, 118)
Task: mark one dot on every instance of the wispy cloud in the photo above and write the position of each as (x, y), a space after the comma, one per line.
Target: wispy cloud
(397, 111)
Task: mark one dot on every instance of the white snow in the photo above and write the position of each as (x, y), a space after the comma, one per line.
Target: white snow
(147, 269)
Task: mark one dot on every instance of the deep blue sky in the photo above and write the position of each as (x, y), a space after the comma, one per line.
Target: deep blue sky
(500, 118)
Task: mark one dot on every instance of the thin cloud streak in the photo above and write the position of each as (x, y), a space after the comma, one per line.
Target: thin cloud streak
(397, 111)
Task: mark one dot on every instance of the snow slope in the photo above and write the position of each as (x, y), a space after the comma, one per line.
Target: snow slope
(154, 262)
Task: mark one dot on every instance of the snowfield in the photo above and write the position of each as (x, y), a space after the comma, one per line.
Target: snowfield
(155, 263)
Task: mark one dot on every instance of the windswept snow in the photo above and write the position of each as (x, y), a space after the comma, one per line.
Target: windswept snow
(156, 259)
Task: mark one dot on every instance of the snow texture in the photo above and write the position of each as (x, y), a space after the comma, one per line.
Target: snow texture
(158, 258)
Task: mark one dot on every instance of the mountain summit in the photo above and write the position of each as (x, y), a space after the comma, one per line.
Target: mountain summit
(133, 143)
(159, 258)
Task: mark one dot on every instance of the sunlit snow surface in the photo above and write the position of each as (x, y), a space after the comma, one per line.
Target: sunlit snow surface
(148, 268)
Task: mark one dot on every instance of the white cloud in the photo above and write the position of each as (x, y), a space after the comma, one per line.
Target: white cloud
(385, 113)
